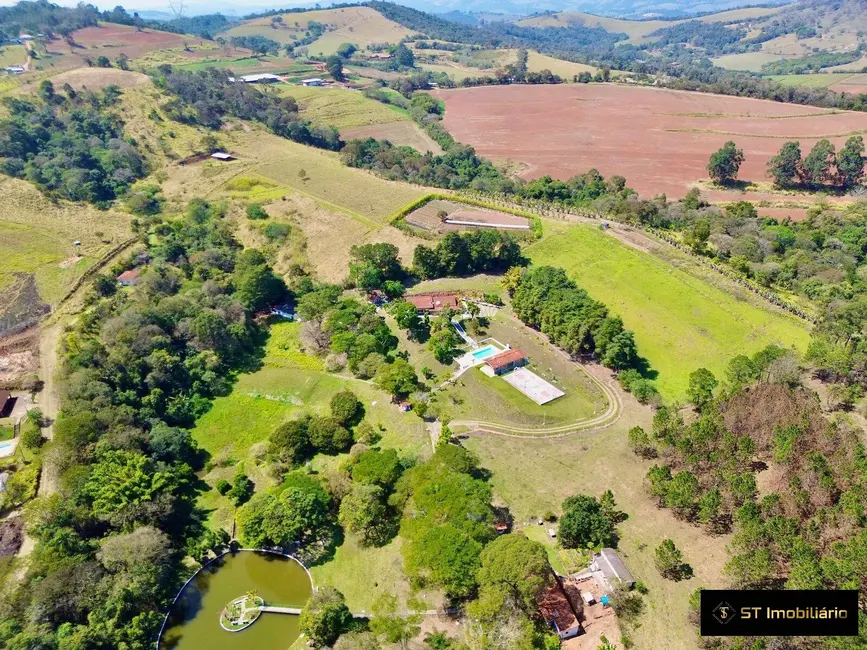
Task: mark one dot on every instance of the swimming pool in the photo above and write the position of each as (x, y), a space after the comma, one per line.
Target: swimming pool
(485, 352)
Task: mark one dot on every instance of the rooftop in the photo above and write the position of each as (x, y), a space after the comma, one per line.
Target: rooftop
(5, 396)
(129, 276)
(221, 155)
(435, 300)
(253, 78)
(556, 608)
(612, 566)
(504, 359)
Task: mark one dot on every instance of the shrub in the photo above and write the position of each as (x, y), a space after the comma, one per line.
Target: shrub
(256, 211)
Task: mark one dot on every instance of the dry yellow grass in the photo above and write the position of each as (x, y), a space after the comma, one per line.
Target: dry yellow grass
(99, 78)
(341, 108)
(359, 25)
(637, 30)
(37, 235)
(330, 234)
(537, 62)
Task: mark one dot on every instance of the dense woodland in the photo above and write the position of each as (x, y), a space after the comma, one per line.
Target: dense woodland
(69, 143)
(138, 366)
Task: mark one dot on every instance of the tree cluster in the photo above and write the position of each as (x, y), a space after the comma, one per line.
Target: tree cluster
(457, 254)
(546, 299)
(823, 166)
(69, 144)
(207, 97)
(139, 365)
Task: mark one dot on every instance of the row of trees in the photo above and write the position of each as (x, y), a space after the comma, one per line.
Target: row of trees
(822, 166)
(546, 299)
(457, 254)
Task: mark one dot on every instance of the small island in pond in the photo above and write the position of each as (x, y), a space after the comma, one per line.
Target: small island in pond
(242, 612)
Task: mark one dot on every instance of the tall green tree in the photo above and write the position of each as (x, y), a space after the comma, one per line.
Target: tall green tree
(725, 163)
(785, 167)
(325, 617)
(702, 383)
(517, 565)
(819, 164)
(850, 162)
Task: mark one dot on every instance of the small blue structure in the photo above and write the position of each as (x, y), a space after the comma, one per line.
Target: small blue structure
(605, 601)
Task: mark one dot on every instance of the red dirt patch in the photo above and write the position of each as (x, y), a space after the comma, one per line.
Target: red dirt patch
(660, 140)
(795, 214)
(853, 85)
(426, 218)
(121, 38)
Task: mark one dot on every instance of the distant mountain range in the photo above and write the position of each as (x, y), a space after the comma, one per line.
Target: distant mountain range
(470, 11)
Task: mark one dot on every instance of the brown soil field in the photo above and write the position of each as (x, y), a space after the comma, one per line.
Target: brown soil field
(426, 217)
(660, 140)
(99, 78)
(398, 133)
(853, 85)
(121, 38)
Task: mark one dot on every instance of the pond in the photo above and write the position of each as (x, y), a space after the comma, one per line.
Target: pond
(195, 618)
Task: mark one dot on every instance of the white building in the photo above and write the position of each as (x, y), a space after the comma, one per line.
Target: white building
(312, 82)
(260, 78)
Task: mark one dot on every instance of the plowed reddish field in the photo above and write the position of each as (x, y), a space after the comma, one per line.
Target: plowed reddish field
(660, 140)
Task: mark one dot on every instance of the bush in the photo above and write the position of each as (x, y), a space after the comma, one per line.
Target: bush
(256, 211)
(275, 231)
(31, 437)
(223, 486)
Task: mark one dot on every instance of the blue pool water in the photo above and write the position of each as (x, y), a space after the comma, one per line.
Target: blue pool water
(485, 352)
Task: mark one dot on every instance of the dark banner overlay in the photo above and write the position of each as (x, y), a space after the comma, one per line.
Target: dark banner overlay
(779, 613)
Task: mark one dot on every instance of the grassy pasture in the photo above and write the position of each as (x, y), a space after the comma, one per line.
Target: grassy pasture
(453, 72)
(359, 25)
(340, 107)
(750, 61)
(12, 55)
(819, 80)
(361, 194)
(537, 62)
(403, 133)
(680, 321)
(36, 237)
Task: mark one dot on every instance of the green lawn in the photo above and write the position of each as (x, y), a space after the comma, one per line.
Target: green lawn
(340, 107)
(680, 321)
(819, 80)
(475, 396)
(6, 432)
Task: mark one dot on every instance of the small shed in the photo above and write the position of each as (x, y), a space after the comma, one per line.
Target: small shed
(15, 69)
(315, 81)
(222, 155)
(128, 278)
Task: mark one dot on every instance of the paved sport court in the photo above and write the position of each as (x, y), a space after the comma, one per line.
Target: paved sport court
(533, 386)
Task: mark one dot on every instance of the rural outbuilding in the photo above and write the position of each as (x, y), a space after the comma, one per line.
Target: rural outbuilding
(222, 155)
(312, 82)
(434, 301)
(500, 364)
(608, 562)
(260, 78)
(558, 611)
(128, 278)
